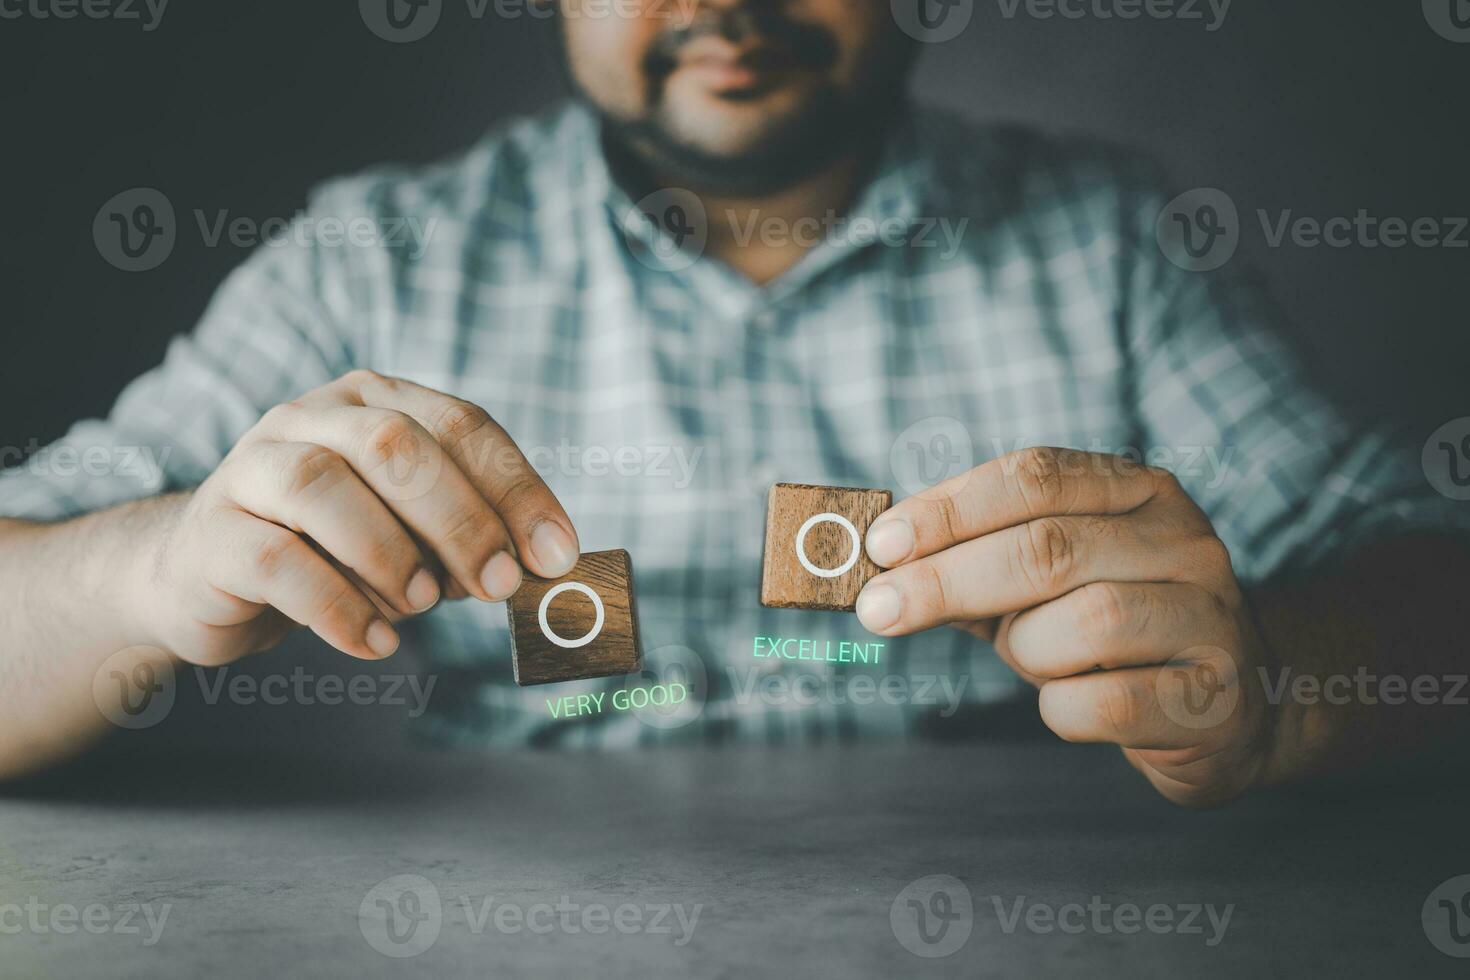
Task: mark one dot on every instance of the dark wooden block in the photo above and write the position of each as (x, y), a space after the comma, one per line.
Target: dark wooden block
(827, 544)
(571, 614)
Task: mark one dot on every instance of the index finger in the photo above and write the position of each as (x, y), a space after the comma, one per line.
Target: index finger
(543, 534)
(1014, 489)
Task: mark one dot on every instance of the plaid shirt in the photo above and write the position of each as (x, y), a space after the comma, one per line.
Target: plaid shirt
(661, 399)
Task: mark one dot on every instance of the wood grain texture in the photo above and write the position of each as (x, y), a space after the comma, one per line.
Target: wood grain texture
(571, 615)
(785, 583)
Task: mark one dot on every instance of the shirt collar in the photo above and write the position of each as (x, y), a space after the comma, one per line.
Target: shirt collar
(884, 213)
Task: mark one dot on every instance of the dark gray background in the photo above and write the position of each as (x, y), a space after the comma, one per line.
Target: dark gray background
(1320, 108)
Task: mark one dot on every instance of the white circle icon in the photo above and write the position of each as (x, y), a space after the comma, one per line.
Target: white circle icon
(806, 562)
(580, 641)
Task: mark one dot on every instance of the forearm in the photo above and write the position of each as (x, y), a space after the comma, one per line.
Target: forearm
(69, 600)
(1366, 664)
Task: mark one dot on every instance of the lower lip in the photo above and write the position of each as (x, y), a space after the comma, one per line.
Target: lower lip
(726, 76)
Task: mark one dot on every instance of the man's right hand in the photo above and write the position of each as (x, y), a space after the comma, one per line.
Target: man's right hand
(361, 503)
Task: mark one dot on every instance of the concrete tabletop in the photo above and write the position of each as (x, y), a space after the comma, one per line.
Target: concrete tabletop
(360, 855)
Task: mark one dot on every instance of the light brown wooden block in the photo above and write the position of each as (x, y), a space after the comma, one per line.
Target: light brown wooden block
(587, 648)
(796, 510)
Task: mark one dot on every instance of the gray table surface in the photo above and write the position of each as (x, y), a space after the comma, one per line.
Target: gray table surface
(263, 850)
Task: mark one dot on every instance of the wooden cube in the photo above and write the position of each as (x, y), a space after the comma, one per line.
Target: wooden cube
(814, 545)
(582, 625)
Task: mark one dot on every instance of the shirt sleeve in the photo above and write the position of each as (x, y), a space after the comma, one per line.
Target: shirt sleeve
(1288, 480)
(274, 330)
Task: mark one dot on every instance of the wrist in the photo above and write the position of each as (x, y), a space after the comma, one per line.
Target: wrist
(125, 568)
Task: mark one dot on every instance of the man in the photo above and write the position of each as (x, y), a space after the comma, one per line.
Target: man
(356, 435)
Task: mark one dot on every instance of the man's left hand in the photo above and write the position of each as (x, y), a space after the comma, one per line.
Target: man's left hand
(1101, 582)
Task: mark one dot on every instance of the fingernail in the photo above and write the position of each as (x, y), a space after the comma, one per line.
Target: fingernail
(890, 541)
(423, 590)
(554, 549)
(878, 607)
(381, 638)
(501, 577)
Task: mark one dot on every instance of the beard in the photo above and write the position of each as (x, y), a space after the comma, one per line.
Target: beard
(828, 124)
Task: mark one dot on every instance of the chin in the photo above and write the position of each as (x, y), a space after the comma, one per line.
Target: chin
(730, 125)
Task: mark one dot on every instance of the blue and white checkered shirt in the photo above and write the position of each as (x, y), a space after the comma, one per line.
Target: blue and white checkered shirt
(992, 289)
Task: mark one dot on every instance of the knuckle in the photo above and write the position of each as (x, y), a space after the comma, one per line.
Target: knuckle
(279, 415)
(944, 515)
(338, 604)
(458, 421)
(1044, 553)
(1213, 553)
(272, 556)
(311, 472)
(1206, 561)
(388, 550)
(395, 435)
(1104, 610)
(1120, 707)
(518, 491)
(935, 586)
(362, 376)
(1039, 478)
(468, 533)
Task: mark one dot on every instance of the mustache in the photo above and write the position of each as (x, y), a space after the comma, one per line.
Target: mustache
(807, 45)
